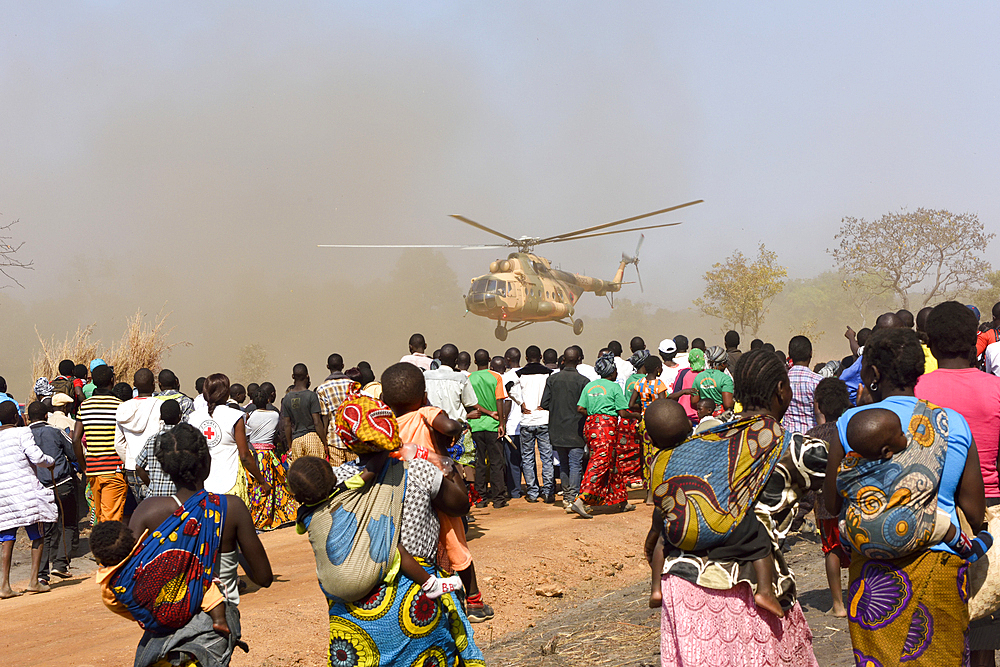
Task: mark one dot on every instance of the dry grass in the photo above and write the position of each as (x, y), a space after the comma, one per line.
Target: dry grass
(141, 346)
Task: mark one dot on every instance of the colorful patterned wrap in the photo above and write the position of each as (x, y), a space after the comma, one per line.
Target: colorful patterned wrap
(164, 581)
(911, 610)
(366, 425)
(397, 624)
(707, 484)
(891, 505)
(355, 533)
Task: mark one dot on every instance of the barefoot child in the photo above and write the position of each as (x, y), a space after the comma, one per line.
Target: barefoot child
(668, 425)
(112, 543)
(311, 481)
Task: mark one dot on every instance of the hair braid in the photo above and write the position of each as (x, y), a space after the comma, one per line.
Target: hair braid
(756, 378)
(183, 454)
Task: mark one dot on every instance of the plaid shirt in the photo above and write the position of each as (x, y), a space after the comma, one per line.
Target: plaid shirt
(159, 483)
(331, 394)
(801, 414)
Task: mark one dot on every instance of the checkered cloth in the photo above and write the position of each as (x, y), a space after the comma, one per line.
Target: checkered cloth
(331, 394)
(159, 483)
(801, 415)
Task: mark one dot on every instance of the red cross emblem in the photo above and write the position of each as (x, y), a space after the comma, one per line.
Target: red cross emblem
(212, 431)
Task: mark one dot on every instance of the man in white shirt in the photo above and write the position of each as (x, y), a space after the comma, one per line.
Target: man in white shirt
(448, 388)
(992, 358)
(668, 353)
(625, 368)
(535, 426)
(416, 356)
(681, 358)
(513, 359)
(138, 419)
(586, 370)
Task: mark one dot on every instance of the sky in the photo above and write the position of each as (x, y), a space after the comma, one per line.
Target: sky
(190, 156)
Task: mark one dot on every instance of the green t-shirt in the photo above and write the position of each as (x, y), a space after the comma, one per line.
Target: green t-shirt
(603, 397)
(630, 384)
(489, 389)
(88, 390)
(711, 383)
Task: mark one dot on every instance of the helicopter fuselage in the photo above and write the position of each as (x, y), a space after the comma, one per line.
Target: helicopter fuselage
(525, 288)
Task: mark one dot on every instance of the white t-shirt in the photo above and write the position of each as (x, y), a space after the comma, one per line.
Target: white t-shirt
(625, 369)
(669, 375)
(261, 426)
(992, 356)
(449, 390)
(681, 359)
(219, 429)
(510, 385)
(587, 371)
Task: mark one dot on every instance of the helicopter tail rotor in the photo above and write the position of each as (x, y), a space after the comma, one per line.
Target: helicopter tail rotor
(634, 260)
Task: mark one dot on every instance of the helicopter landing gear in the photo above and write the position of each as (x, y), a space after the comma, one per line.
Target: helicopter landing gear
(500, 332)
(578, 327)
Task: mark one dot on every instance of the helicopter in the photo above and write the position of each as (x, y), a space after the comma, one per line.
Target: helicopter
(524, 288)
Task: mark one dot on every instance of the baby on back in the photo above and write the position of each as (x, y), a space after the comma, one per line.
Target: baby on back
(885, 483)
(668, 426)
(112, 543)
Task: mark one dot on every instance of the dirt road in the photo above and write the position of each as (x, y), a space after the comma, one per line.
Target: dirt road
(596, 566)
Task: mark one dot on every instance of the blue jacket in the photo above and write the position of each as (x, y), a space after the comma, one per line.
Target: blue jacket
(53, 442)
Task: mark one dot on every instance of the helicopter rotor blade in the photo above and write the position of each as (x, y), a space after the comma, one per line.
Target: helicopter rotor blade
(358, 245)
(616, 222)
(639, 276)
(615, 231)
(484, 228)
(642, 237)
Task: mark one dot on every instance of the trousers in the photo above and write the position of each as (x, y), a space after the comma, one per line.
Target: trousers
(56, 551)
(490, 464)
(109, 493)
(570, 471)
(532, 437)
(513, 468)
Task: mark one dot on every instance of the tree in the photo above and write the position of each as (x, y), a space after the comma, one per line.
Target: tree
(936, 249)
(738, 291)
(987, 297)
(253, 364)
(9, 260)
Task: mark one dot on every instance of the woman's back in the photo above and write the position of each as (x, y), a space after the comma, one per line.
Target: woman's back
(262, 424)
(959, 441)
(218, 429)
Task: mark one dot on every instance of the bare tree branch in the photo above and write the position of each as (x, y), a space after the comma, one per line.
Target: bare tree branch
(9, 260)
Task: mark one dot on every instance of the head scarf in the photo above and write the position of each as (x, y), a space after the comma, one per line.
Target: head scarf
(697, 360)
(43, 388)
(716, 355)
(605, 365)
(367, 425)
(639, 358)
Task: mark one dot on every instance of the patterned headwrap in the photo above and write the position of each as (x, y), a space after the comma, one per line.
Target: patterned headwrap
(697, 360)
(639, 358)
(367, 425)
(43, 388)
(716, 355)
(605, 365)
(830, 369)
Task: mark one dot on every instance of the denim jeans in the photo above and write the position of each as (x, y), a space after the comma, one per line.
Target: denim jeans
(570, 471)
(513, 466)
(530, 437)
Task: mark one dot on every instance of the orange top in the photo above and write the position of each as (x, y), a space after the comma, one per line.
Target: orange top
(416, 427)
(213, 596)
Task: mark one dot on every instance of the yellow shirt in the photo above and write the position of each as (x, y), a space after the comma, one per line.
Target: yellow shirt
(930, 363)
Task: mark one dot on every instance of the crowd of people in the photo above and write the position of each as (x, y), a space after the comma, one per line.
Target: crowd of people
(894, 447)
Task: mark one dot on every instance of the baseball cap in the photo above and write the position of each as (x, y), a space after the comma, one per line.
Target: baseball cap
(60, 399)
(975, 311)
(667, 346)
(97, 362)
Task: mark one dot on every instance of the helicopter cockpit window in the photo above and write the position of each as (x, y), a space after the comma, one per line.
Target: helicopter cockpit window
(501, 288)
(491, 287)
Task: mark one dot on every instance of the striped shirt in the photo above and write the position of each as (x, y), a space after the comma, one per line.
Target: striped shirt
(98, 416)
